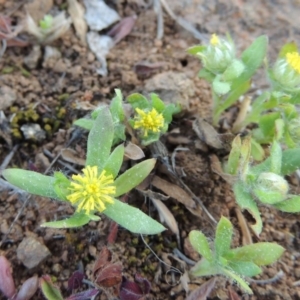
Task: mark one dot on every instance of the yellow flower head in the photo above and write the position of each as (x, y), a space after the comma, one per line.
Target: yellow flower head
(90, 191)
(293, 59)
(148, 121)
(214, 40)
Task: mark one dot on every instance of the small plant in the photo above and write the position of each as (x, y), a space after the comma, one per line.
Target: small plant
(152, 118)
(230, 77)
(7, 285)
(264, 182)
(233, 263)
(96, 188)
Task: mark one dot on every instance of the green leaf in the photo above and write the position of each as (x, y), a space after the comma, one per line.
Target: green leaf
(257, 151)
(220, 87)
(287, 48)
(241, 282)
(76, 220)
(200, 244)
(205, 268)
(116, 107)
(133, 177)
(261, 254)
(291, 205)
(50, 291)
(31, 182)
(132, 218)
(252, 58)
(289, 164)
(245, 200)
(276, 157)
(114, 162)
(245, 268)
(195, 49)
(223, 237)
(234, 156)
(157, 103)
(169, 111)
(207, 75)
(231, 99)
(61, 185)
(138, 101)
(84, 123)
(100, 140)
(267, 123)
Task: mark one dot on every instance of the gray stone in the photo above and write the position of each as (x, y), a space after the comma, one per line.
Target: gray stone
(31, 252)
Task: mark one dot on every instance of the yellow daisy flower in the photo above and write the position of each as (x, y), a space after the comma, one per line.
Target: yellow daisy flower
(148, 121)
(214, 40)
(91, 191)
(293, 59)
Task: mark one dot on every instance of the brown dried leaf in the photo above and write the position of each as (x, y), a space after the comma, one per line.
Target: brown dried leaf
(103, 260)
(232, 294)
(133, 152)
(76, 11)
(110, 275)
(173, 191)
(71, 156)
(146, 68)
(166, 216)
(247, 238)
(122, 29)
(203, 291)
(217, 168)
(207, 133)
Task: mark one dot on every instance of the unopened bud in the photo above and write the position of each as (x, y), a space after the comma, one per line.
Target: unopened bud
(271, 188)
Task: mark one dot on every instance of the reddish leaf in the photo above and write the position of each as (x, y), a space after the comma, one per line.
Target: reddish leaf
(113, 231)
(110, 275)
(104, 258)
(132, 290)
(7, 285)
(85, 295)
(75, 281)
(28, 288)
(203, 291)
(122, 29)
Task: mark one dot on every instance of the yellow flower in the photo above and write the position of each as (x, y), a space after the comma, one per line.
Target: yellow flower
(293, 59)
(214, 40)
(148, 121)
(91, 191)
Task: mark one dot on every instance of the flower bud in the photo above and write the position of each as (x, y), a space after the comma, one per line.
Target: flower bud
(218, 55)
(286, 72)
(294, 129)
(271, 188)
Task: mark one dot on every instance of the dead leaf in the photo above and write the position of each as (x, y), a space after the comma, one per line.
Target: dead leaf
(147, 68)
(216, 167)
(72, 157)
(122, 29)
(166, 216)
(133, 152)
(173, 191)
(207, 133)
(246, 235)
(232, 294)
(105, 273)
(76, 11)
(203, 291)
(238, 124)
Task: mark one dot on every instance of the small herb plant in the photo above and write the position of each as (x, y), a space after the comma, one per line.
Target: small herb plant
(152, 118)
(233, 263)
(97, 187)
